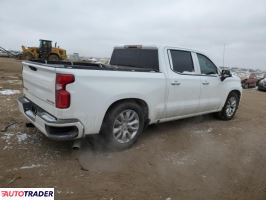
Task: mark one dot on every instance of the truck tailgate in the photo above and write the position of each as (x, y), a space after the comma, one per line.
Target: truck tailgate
(39, 84)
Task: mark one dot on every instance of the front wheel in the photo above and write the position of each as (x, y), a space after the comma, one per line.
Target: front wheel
(122, 125)
(230, 107)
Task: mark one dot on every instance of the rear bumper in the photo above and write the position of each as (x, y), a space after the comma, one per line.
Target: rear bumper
(50, 126)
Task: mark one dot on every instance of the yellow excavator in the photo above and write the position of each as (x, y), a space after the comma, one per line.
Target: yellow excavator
(44, 52)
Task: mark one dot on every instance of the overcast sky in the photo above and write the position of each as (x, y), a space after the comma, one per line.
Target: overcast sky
(93, 27)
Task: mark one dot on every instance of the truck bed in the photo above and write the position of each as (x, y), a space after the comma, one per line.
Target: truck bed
(90, 66)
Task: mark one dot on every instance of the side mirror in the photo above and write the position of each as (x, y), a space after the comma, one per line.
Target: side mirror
(225, 74)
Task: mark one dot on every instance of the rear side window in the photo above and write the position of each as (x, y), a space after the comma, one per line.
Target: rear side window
(206, 65)
(182, 61)
(136, 57)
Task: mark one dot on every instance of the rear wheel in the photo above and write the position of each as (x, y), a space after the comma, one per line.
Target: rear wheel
(122, 125)
(53, 57)
(230, 107)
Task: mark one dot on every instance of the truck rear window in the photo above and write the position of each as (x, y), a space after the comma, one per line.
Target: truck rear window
(136, 57)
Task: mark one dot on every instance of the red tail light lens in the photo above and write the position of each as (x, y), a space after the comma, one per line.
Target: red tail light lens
(62, 96)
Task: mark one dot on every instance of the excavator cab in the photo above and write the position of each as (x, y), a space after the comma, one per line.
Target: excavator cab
(45, 49)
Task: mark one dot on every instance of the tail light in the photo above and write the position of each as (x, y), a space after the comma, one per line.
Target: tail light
(62, 96)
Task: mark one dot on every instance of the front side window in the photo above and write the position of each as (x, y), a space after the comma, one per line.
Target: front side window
(182, 61)
(206, 65)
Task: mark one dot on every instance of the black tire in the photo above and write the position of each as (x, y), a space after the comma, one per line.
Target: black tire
(223, 114)
(262, 89)
(108, 126)
(53, 57)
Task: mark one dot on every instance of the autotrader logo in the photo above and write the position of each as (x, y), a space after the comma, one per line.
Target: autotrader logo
(26, 193)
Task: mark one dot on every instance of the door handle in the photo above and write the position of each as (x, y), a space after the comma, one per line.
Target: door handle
(175, 83)
(205, 83)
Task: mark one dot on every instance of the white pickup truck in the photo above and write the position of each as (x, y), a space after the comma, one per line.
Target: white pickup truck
(141, 85)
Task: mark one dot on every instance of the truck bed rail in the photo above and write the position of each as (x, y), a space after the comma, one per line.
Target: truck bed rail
(90, 66)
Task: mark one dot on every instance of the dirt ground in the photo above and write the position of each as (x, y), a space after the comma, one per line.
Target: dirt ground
(196, 158)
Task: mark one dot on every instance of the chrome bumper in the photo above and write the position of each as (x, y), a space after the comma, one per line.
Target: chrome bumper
(53, 128)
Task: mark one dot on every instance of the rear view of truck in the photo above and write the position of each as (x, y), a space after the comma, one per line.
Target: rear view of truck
(45, 97)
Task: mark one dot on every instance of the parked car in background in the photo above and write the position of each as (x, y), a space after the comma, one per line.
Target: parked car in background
(142, 85)
(250, 81)
(262, 84)
(261, 78)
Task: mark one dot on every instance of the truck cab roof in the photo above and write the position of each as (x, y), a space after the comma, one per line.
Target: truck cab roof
(159, 47)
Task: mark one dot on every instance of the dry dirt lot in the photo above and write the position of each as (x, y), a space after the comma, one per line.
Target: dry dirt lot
(196, 158)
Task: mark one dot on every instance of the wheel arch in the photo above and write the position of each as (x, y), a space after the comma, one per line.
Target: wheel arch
(143, 104)
(235, 91)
